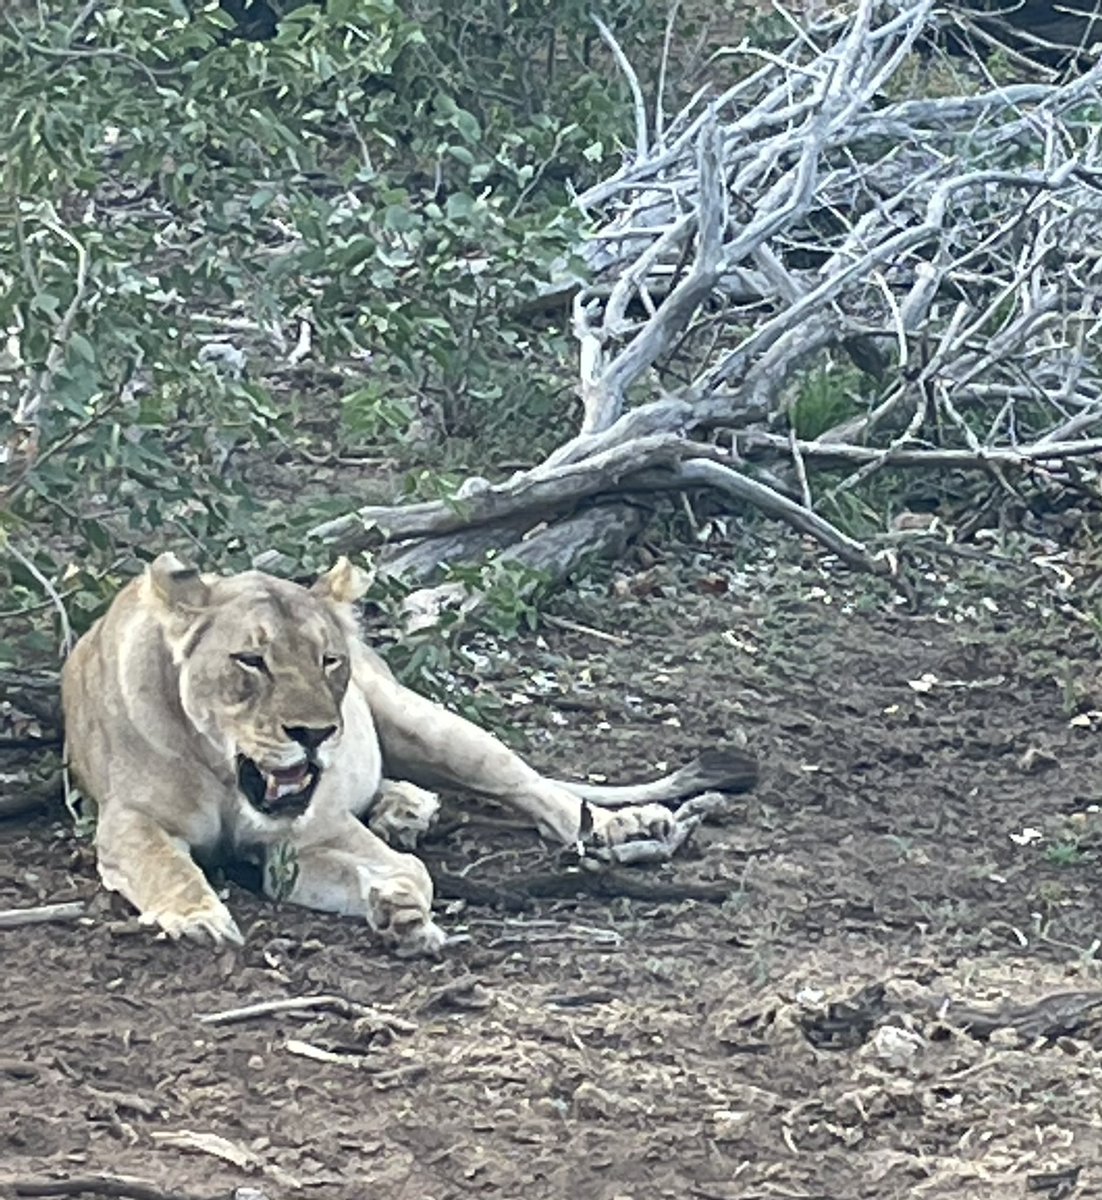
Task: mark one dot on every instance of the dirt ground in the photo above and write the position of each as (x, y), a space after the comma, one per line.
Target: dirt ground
(919, 858)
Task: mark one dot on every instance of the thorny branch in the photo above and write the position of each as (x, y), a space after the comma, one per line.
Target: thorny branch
(937, 262)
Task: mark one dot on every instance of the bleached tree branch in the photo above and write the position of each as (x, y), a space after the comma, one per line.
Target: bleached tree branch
(943, 255)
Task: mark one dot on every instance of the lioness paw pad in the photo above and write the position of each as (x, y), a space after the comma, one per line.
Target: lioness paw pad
(211, 924)
(398, 911)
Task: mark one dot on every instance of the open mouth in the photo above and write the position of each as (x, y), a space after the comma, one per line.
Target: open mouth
(282, 793)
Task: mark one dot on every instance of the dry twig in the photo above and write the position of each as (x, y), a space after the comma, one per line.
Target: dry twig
(13, 918)
(328, 1003)
(586, 630)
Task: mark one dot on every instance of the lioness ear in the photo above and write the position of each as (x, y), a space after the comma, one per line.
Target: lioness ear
(176, 585)
(342, 583)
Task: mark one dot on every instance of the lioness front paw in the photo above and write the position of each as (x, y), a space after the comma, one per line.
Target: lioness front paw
(209, 921)
(398, 910)
(403, 813)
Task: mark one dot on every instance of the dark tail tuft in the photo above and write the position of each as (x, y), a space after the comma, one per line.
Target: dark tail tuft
(724, 770)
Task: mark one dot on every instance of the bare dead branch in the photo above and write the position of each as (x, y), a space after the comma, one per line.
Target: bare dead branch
(1021, 457)
(701, 473)
(529, 492)
(552, 549)
(12, 918)
(641, 124)
(940, 256)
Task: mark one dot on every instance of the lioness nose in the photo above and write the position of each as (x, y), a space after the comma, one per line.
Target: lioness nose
(310, 738)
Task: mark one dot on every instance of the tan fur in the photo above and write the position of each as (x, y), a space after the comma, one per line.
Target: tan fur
(186, 677)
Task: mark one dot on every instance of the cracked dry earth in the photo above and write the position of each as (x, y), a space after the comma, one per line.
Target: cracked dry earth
(898, 998)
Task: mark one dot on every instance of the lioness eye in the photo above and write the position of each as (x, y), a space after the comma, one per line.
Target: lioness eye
(331, 661)
(251, 662)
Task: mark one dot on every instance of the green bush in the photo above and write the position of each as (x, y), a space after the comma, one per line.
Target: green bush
(183, 200)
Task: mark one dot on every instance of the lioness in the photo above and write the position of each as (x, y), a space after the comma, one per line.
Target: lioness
(243, 715)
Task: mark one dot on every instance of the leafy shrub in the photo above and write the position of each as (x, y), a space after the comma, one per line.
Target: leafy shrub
(187, 206)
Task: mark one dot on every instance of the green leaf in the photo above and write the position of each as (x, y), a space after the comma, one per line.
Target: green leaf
(467, 124)
(83, 347)
(460, 204)
(47, 303)
(398, 218)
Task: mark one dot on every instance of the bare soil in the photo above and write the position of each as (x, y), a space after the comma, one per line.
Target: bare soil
(919, 858)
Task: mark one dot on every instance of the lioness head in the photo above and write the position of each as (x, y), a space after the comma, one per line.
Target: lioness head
(263, 670)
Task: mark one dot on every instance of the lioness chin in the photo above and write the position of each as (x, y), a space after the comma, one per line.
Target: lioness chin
(243, 716)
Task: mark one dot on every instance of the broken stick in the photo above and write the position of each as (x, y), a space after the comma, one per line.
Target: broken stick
(338, 1004)
(11, 918)
(96, 1185)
